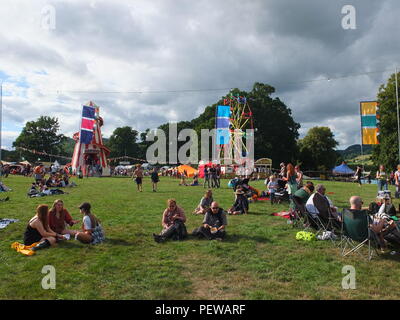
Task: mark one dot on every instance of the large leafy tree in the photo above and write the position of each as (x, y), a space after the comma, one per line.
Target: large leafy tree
(276, 131)
(41, 135)
(317, 149)
(387, 152)
(123, 141)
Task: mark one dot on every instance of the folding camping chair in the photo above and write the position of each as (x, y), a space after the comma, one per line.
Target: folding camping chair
(355, 229)
(298, 214)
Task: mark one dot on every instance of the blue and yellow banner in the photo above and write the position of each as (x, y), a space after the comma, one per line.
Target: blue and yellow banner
(369, 122)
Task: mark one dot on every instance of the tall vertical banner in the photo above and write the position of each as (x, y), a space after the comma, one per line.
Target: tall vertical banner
(222, 125)
(87, 124)
(369, 122)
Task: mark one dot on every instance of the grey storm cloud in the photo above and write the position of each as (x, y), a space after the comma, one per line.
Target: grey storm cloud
(133, 57)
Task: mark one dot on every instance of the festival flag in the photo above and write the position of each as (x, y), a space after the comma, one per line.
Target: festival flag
(369, 122)
(222, 124)
(87, 124)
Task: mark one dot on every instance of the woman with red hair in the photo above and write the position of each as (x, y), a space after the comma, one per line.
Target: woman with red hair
(291, 179)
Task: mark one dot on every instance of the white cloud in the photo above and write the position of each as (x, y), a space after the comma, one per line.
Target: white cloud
(170, 45)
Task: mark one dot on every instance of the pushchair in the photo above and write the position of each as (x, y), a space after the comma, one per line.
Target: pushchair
(281, 194)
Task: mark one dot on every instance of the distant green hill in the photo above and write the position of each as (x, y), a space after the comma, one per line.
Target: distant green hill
(354, 151)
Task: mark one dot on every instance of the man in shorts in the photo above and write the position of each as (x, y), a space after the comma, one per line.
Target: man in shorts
(138, 174)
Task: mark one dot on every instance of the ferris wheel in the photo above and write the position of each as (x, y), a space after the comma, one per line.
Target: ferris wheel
(233, 119)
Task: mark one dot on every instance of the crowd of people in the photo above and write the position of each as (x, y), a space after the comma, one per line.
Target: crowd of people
(50, 226)
(51, 186)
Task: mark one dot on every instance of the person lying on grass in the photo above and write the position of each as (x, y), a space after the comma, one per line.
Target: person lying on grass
(173, 222)
(59, 217)
(214, 224)
(38, 230)
(91, 232)
(205, 203)
(241, 205)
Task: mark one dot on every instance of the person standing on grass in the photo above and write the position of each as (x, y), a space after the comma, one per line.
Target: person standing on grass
(282, 173)
(206, 177)
(91, 232)
(39, 173)
(173, 222)
(397, 182)
(382, 178)
(138, 175)
(291, 177)
(154, 179)
(219, 172)
(38, 230)
(214, 224)
(213, 176)
(59, 217)
(299, 177)
(358, 175)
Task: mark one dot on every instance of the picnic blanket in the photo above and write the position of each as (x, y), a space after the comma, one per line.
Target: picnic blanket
(26, 250)
(283, 214)
(5, 222)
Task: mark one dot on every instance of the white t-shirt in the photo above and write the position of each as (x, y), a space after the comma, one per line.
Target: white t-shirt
(87, 223)
(311, 207)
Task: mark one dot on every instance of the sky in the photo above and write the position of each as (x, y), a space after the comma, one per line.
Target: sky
(149, 62)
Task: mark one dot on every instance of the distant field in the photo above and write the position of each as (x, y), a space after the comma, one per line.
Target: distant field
(260, 259)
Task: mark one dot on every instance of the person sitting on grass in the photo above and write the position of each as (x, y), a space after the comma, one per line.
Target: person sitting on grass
(53, 182)
(154, 179)
(91, 232)
(38, 230)
(195, 180)
(241, 205)
(184, 175)
(214, 224)
(205, 203)
(173, 222)
(59, 217)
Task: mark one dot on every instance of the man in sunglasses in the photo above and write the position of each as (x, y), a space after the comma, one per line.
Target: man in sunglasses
(213, 224)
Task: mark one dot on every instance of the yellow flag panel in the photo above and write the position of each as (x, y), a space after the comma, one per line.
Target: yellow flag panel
(368, 108)
(369, 136)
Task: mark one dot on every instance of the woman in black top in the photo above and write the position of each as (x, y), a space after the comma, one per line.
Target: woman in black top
(38, 230)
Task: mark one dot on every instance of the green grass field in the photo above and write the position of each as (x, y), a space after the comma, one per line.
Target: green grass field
(260, 258)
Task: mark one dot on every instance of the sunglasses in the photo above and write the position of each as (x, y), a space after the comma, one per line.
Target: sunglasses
(215, 208)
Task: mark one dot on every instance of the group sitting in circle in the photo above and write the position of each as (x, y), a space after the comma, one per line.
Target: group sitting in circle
(48, 227)
(173, 222)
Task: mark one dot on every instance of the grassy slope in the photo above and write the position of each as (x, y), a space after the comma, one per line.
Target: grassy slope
(260, 258)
